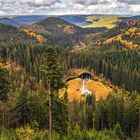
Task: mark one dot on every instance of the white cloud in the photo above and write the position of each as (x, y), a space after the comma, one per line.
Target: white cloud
(135, 9)
(102, 7)
(48, 7)
(1, 12)
(89, 2)
(40, 2)
(130, 1)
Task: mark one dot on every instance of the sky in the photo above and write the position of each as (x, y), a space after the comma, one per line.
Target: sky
(64, 7)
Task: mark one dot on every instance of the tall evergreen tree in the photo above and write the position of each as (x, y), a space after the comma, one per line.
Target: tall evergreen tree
(23, 107)
(53, 70)
(4, 84)
(54, 73)
(118, 132)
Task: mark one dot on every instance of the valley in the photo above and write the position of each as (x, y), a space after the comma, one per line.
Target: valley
(73, 77)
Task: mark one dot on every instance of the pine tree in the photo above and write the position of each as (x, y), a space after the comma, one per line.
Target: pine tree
(4, 84)
(23, 107)
(53, 70)
(118, 132)
(137, 106)
(60, 115)
(9, 111)
(100, 121)
(54, 74)
(115, 110)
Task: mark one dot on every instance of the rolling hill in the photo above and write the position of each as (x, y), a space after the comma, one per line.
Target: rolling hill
(124, 35)
(55, 26)
(60, 32)
(57, 31)
(7, 29)
(90, 21)
(108, 21)
(19, 21)
(12, 33)
(9, 32)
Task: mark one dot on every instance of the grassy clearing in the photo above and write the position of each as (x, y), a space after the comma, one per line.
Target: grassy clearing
(96, 87)
(102, 21)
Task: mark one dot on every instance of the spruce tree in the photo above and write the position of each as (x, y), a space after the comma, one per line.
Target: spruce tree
(118, 132)
(53, 70)
(54, 74)
(4, 84)
(23, 107)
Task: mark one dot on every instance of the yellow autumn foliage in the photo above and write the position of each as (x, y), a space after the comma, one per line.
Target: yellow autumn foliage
(128, 44)
(25, 133)
(38, 37)
(96, 87)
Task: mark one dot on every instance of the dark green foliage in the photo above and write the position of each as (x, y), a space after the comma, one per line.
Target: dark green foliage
(5, 29)
(122, 68)
(118, 132)
(76, 119)
(10, 33)
(9, 111)
(130, 118)
(53, 70)
(100, 118)
(24, 107)
(60, 115)
(42, 135)
(4, 84)
(115, 111)
(33, 107)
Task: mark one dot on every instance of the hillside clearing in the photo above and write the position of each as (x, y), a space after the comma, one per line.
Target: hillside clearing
(108, 21)
(96, 87)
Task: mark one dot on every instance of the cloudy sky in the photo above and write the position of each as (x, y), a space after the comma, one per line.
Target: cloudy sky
(61, 7)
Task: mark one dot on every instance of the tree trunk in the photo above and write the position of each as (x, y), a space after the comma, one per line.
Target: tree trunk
(50, 114)
(139, 123)
(3, 117)
(102, 123)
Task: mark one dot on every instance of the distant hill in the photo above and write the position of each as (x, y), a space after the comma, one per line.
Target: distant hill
(20, 21)
(7, 29)
(11, 33)
(130, 18)
(63, 30)
(108, 21)
(55, 26)
(79, 20)
(90, 21)
(60, 32)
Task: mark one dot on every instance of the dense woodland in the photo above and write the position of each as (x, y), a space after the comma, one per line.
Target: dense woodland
(31, 73)
(121, 67)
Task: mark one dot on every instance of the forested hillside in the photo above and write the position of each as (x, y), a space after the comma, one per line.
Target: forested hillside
(42, 95)
(120, 67)
(59, 32)
(10, 33)
(123, 36)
